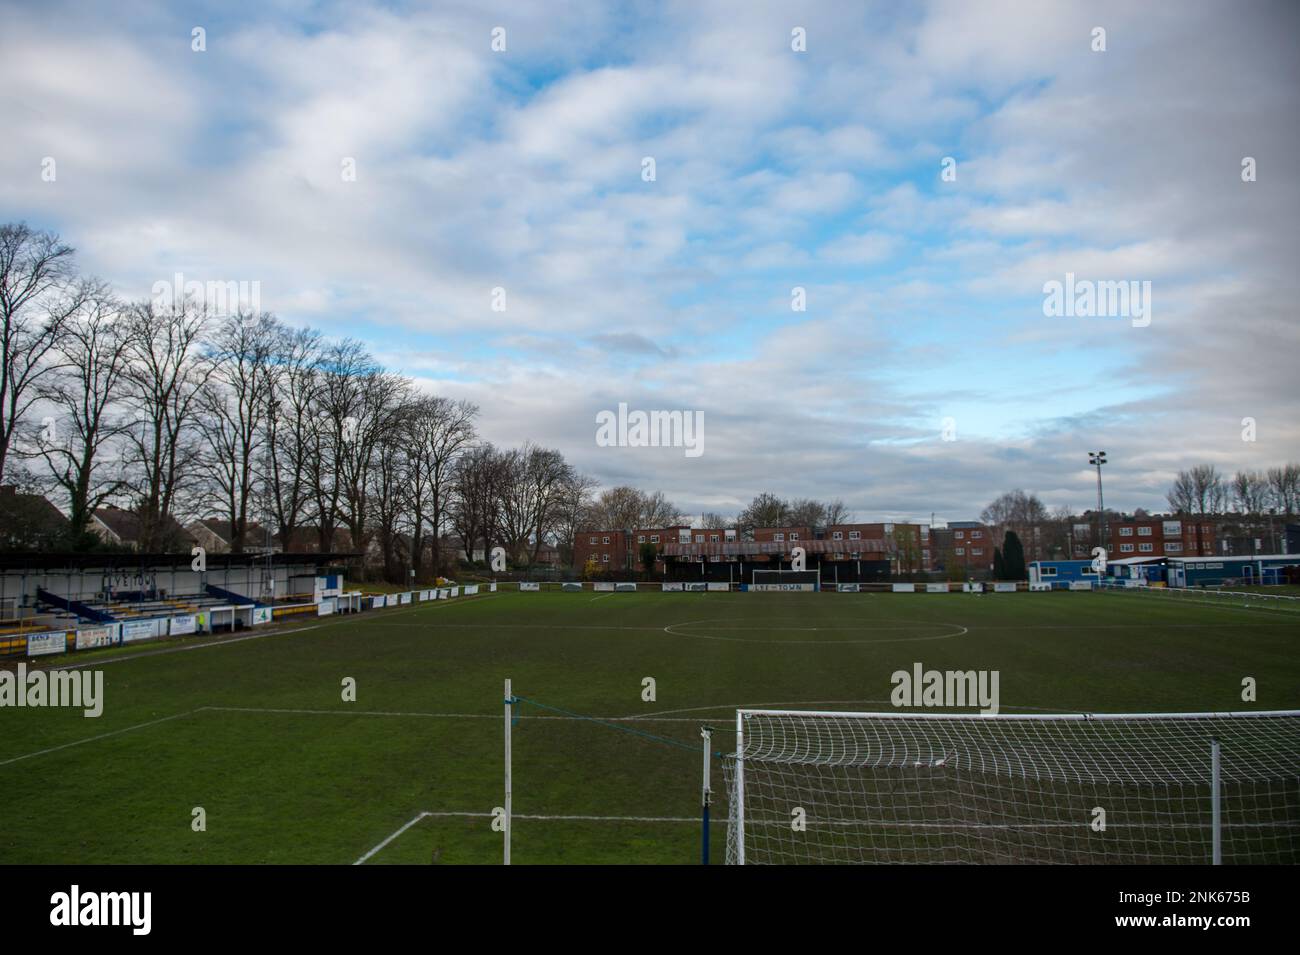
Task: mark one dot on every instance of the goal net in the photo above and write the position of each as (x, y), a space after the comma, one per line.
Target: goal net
(786, 580)
(826, 788)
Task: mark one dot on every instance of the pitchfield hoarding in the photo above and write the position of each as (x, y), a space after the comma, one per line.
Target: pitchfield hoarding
(93, 637)
(186, 623)
(525, 585)
(138, 630)
(43, 644)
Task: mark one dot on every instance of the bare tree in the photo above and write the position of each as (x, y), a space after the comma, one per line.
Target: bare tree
(388, 474)
(480, 476)
(765, 510)
(805, 513)
(37, 295)
(342, 439)
(626, 507)
(574, 505)
(712, 519)
(1199, 492)
(1250, 492)
(836, 513)
(438, 431)
(166, 376)
(84, 390)
(1284, 483)
(291, 431)
(536, 479)
(233, 406)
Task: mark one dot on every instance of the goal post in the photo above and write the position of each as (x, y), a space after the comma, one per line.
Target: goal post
(837, 788)
(786, 580)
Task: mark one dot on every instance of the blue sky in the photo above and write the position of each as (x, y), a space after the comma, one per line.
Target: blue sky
(522, 169)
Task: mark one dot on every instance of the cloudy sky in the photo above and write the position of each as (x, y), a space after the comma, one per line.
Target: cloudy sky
(821, 169)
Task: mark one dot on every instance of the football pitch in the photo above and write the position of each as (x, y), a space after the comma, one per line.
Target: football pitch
(254, 729)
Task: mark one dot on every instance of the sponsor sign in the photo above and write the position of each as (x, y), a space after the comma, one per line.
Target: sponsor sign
(769, 588)
(137, 630)
(717, 585)
(406, 598)
(471, 590)
(43, 644)
(904, 588)
(847, 588)
(674, 586)
(936, 588)
(972, 588)
(492, 588)
(570, 586)
(1004, 587)
(1040, 586)
(696, 586)
(529, 585)
(325, 607)
(603, 585)
(94, 637)
(262, 615)
(187, 623)
(1081, 585)
(1173, 528)
(453, 592)
(625, 587)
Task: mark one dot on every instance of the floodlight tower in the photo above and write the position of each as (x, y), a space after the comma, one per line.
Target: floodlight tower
(1097, 459)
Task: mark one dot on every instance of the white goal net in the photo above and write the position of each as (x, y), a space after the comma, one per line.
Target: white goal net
(783, 580)
(828, 788)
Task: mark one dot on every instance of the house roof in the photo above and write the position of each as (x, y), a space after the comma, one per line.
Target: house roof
(126, 524)
(223, 529)
(35, 506)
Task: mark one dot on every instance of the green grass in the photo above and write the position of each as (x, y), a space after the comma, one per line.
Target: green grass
(330, 781)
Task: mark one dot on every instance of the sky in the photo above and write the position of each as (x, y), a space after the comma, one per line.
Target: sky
(921, 172)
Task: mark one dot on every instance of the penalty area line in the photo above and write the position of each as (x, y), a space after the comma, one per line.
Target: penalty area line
(539, 817)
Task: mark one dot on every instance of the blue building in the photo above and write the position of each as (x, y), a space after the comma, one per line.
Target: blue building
(1060, 574)
(1218, 571)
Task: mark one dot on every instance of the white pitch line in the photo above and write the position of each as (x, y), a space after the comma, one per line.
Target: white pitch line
(529, 816)
(390, 838)
(91, 739)
(446, 716)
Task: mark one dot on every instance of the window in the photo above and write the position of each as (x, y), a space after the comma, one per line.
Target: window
(976, 535)
(959, 535)
(961, 551)
(1126, 548)
(713, 538)
(1047, 572)
(604, 558)
(855, 535)
(640, 538)
(606, 540)
(977, 551)
(778, 536)
(1144, 532)
(654, 538)
(837, 535)
(1126, 532)
(1146, 548)
(699, 538)
(794, 537)
(1173, 548)
(593, 540)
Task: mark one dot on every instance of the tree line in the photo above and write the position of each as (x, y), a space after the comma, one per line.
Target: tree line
(176, 410)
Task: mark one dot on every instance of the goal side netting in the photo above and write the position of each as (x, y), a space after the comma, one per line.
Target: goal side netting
(835, 788)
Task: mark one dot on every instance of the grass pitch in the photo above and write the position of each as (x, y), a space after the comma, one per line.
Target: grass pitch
(256, 733)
